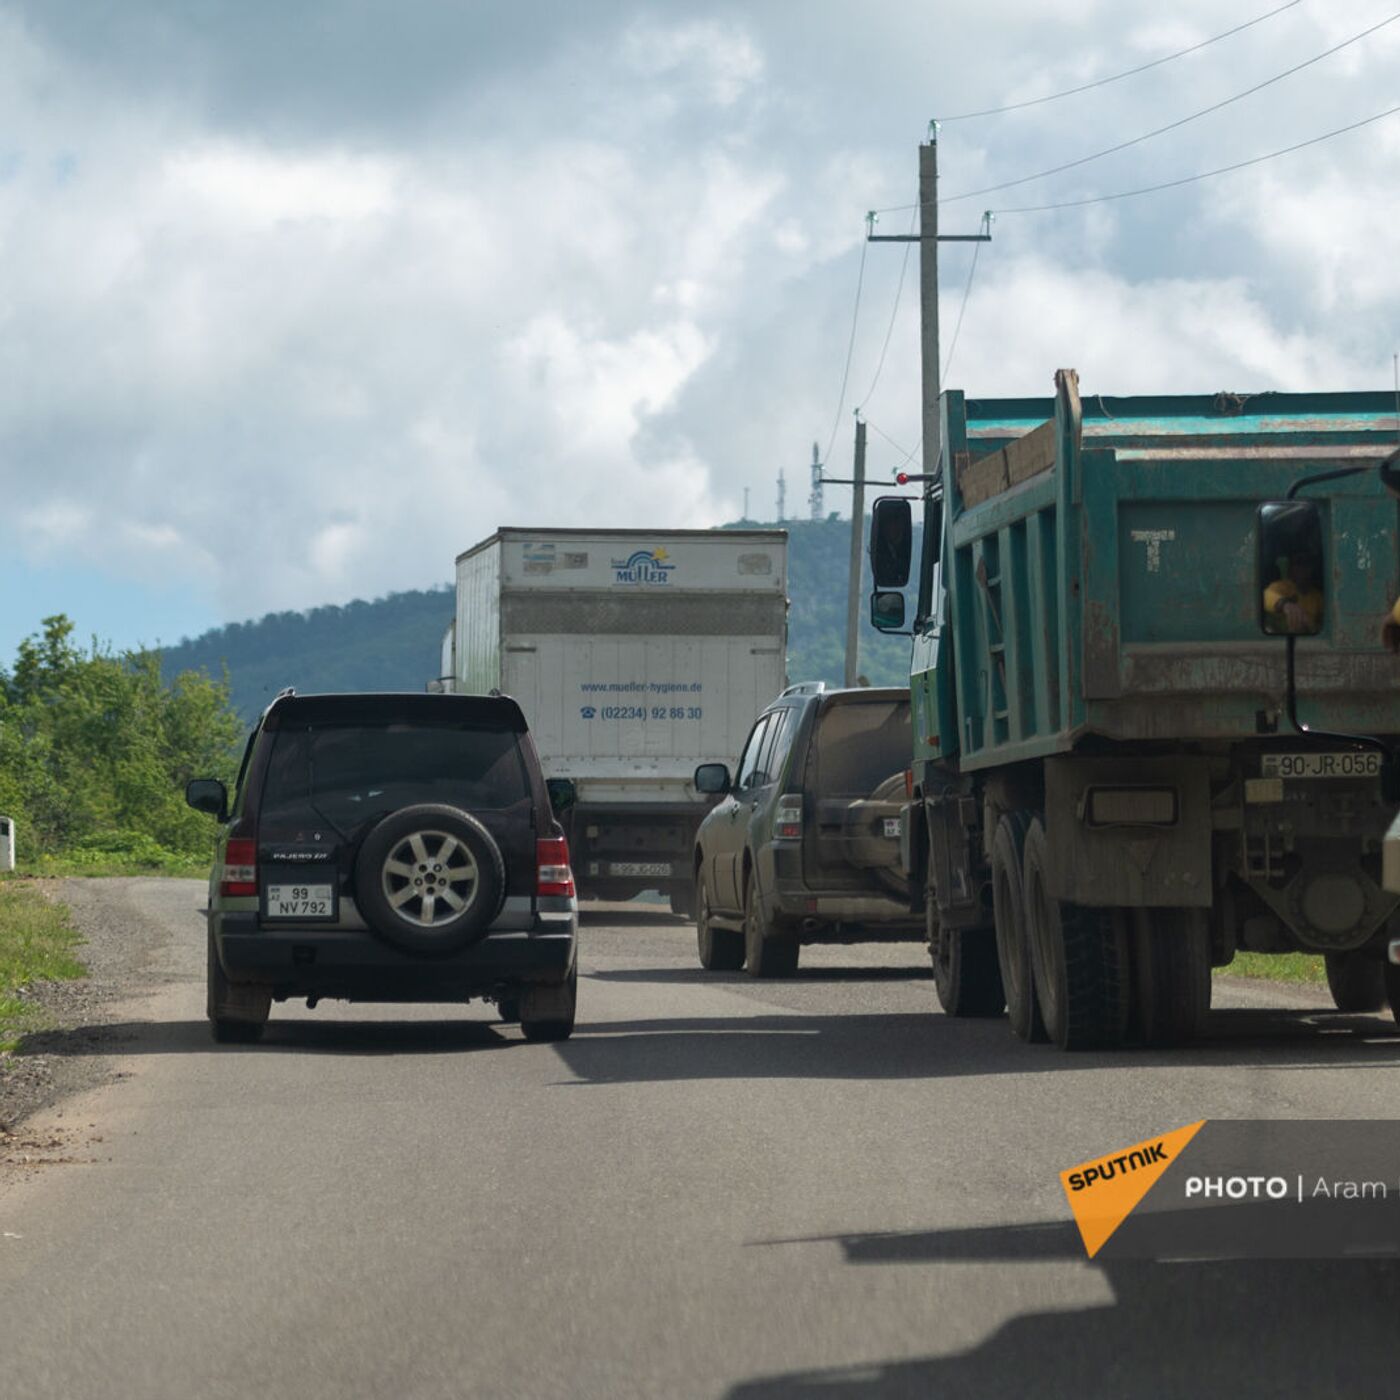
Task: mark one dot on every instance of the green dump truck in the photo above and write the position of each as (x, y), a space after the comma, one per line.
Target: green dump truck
(1154, 722)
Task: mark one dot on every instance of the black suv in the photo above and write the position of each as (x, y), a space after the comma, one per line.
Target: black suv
(805, 846)
(392, 848)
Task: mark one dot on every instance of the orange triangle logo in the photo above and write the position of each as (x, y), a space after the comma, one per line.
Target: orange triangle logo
(1103, 1191)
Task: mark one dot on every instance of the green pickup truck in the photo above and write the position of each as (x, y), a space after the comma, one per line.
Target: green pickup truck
(1154, 722)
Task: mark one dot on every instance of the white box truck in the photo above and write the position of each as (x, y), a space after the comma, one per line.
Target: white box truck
(636, 655)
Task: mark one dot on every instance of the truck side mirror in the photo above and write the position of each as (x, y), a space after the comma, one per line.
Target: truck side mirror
(208, 795)
(562, 794)
(891, 541)
(887, 611)
(1292, 577)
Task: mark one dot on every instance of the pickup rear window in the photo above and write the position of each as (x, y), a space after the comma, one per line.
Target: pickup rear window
(350, 772)
(860, 744)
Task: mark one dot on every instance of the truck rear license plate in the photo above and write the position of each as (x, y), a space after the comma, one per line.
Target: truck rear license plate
(892, 827)
(640, 867)
(1320, 765)
(300, 902)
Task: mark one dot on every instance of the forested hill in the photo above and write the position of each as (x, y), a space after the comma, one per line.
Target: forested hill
(394, 643)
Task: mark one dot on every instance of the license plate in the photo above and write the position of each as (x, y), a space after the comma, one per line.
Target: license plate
(1320, 765)
(640, 867)
(300, 902)
(892, 827)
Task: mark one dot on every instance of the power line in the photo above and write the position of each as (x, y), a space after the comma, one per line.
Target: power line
(850, 349)
(1181, 121)
(1127, 72)
(967, 292)
(894, 312)
(1203, 175)
(897, 447)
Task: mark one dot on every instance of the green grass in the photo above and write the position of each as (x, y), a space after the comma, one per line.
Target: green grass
(36, 945)
(1277, 967)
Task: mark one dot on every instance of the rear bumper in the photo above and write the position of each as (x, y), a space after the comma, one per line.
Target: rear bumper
(355, 965)
(794, 900)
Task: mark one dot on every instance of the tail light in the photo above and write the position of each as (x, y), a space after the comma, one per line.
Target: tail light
(552, 860)
(909, 783)
(787, 817)
(240, 873)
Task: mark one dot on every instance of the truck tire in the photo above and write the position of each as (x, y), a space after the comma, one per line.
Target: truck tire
(430, 879)
(1357, 982)
(237, 1011)
(721, 949)
(547, 1009)
(683, 901)
(1171, 973)
(1079, 957)
(1013, 942)
(770, 949)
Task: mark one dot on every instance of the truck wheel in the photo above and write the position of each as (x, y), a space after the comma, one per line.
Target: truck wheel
(683, 901)
(237, 1012)
(1079, 958)
(721, 949)
(770, 950)
(547, 1009)
(1357, 982)
(1012, 940)
(1171, 967)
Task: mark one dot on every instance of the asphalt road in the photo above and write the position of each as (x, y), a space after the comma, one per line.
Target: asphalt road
(717, 1188)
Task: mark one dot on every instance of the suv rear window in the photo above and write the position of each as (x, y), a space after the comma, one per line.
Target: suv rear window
(860, 744)
(349, 772)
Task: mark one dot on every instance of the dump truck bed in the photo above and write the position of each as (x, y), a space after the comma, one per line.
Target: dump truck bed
(1102, 572)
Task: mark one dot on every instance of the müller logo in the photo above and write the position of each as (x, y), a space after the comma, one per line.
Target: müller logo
(643, 566)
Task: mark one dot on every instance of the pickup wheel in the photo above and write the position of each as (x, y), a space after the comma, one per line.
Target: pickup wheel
(237, 1011)
(1171, 973)
(721, 949)
(770, 950)
(1079, 957)
(547, 1009)
(1357, 982)
(1013, 942)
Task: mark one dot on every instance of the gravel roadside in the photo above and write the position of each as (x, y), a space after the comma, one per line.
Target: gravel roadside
(128, 953)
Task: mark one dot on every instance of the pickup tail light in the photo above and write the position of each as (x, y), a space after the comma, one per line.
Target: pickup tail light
(787, 817)
(554, 875)
(240, 873)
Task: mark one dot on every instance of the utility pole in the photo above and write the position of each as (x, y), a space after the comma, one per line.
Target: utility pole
(857, 534)
(928, 299)
(814, 500)
(782, 496)
(746, 503)
(928, 238)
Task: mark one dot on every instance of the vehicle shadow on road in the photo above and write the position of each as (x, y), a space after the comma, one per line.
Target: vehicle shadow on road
(299, 1036)
(1242, 1328)
(918, 973)
(918, 1045)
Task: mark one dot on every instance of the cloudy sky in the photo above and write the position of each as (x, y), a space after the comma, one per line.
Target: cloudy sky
(298, 301)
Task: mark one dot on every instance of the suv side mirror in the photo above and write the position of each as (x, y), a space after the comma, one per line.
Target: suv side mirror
(891, 541)
(712, 779)
(887, 611)
(208, 795)
(562, 793)
(1292, 578)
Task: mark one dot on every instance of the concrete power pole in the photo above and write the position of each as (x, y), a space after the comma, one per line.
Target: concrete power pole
(814, 500)
(928, 298)
(857, 540)
(782, 496)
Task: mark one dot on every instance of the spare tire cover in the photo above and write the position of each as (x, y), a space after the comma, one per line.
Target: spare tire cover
(430, 879)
